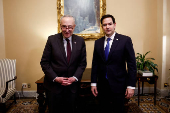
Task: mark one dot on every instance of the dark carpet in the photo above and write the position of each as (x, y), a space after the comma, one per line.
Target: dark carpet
(91, 106)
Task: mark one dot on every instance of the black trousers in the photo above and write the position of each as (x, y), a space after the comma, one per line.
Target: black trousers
(109, 101)
(64, 102)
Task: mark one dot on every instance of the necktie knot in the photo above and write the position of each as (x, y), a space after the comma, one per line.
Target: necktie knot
(108, 39)
(67, 40)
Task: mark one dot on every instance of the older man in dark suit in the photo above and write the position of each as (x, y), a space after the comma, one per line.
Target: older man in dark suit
(110, 80)
(63, 63)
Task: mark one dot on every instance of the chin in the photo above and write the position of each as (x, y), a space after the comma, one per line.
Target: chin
(66, 36)
(107, 34)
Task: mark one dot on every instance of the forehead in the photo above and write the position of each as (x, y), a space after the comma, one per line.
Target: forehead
(107, 20)
(67, 21)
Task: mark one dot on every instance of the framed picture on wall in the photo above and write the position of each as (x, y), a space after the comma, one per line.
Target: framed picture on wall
(87, 14)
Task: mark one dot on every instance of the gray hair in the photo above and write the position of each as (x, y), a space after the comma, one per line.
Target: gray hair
(67, 16)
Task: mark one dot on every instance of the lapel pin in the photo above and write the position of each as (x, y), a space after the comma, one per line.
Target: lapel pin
(116, 39)
(75, 42)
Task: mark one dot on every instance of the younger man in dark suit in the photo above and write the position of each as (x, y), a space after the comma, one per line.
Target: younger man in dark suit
(63, 63)
(110, 80)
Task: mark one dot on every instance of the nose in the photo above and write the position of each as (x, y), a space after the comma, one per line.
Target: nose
(67, 30)
(107, 26)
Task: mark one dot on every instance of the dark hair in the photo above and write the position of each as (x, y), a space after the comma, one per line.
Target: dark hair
(107, 16)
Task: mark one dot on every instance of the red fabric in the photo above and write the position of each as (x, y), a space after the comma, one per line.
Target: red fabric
(68, 50)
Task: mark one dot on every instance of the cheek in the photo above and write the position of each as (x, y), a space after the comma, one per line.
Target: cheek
(71, 32)
(104, 29)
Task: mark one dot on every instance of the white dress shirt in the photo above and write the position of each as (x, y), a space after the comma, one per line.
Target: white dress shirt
(65, 44)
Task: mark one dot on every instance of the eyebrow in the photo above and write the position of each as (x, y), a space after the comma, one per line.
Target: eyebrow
(108, 23)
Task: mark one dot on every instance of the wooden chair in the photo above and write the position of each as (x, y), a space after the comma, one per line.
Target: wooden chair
(7, 82)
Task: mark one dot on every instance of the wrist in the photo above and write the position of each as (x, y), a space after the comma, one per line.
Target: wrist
(74, 79)
(56, 79)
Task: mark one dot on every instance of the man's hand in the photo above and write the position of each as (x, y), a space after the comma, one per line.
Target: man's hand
(94, 90)
(62, 80)
(71, 80)
(129, 93)
(65, 81)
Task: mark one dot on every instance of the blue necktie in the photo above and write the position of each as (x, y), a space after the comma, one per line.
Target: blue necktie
(107, 51)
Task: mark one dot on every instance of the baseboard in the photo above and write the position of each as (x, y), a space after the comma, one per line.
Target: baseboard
(163, 92)
(160, 92)
(26, 94)
(145, 90)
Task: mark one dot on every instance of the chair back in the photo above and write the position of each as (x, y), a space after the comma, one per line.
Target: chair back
(7, 72)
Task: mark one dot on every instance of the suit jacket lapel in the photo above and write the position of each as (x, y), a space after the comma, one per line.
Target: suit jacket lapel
(62, 49)
(114, 45)
(102, 48)
(73, 52)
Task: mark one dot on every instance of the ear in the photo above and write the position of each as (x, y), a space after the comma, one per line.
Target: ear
(102, 26)
(114, 25)
(60, 26)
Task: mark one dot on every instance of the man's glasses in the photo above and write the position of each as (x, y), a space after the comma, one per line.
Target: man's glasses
(64, 27)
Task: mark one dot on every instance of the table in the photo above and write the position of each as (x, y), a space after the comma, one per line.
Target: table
(84, 89)
(150, 80)
(41, 96)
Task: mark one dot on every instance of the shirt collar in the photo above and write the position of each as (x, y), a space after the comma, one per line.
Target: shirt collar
(70, 38)
(112, 37)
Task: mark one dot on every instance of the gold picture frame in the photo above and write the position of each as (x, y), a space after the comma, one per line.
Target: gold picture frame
(85, 35)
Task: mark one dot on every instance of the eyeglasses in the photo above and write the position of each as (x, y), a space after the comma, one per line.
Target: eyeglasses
(64, 27)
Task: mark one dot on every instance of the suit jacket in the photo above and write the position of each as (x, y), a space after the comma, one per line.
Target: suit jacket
(121, 52)
(54, 62)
